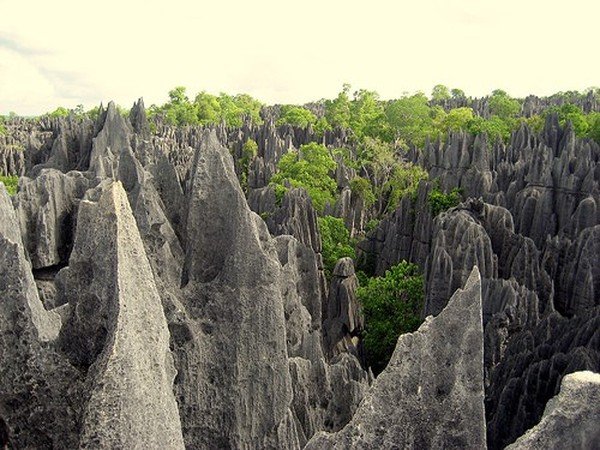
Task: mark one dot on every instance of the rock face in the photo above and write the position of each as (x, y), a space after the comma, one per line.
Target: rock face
(38, 400)
(118, 332)
(139, 241)
(235, 387)
(343, 321)
(431, 393)
(571, 418)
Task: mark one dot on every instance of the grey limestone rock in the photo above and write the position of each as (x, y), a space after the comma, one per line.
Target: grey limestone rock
(234, 386)
(531, 369)
(117, 331)
(298, 218)
(37, 385)
(343, 320)
(571, 418)
(431, 393)
(46, 209)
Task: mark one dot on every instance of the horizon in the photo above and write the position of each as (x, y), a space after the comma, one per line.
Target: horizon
(280, 54)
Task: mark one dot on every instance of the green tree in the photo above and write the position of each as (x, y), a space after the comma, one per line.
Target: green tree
(208, 108)
(503, 106)
(404, 180)
(411, 119)
(367, 116)
(571, 113)
(61, 111)
(495, 127)
(338, 111)
(458, 93)
(594, 126)
(440, 93)
(249, 152)
(392, 305)
(296, 116)
(310, 169)
(336, 242)
(457, 119)
(362, 188)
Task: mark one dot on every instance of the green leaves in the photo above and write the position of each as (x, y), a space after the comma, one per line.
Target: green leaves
(336, 242)
(440, 201)
(392, 306)
(310, 169)
(207, 109)
(296, 116)
(11, 183)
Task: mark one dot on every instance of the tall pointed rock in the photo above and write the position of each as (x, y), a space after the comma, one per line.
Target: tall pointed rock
(431, 393)
(118, 326)
(235, 386)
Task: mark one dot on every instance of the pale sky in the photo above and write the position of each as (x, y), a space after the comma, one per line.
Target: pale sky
(67, 52)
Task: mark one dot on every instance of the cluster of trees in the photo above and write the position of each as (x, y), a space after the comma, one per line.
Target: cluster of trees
(310, 168)
(207, 109)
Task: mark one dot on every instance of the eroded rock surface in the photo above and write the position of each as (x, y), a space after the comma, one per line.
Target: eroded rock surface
(431, 393)
(571, 418)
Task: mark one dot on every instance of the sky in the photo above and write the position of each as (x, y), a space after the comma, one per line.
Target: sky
(70, 52)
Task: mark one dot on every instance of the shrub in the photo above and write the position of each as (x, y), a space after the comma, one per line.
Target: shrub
(307, 168)
(440, 201)
(336, 241)
(392, 306)
(11, 183)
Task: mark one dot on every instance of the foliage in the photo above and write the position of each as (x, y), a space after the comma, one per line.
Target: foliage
(337, 111)
(502, 105)
(296, 116)
(440, 201)
(362, 189)
(404, 180)
(440, 93)
(457, 119)
(59, 112)
(594, 130)
(392, 306)
(371, 225)
(571, 113)
(2, 126)
(336, 242)
(457, 93)
(367, 116)
(364, 114)
(207, 109)
(310, 169)
(495, 127)
(11, 183)
(411, 119)
(249, 152)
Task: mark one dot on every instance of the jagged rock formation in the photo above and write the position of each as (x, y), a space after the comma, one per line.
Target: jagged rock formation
(570, 419)
(118, 332)
(36, 383)
(237, 390)
(264, 350)
(343, 321)
(403, 235)
(431, 393)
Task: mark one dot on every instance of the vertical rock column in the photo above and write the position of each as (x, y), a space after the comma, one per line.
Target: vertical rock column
(118, 326)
